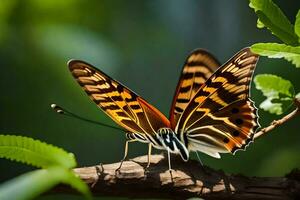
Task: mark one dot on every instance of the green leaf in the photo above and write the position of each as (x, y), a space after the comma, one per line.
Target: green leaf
(273, 86)
(34, 152)
(279, 92)
(274, 50)
(297, 25)
(260, 24)
(75, 182)
(32, 184)
(270, 15)
(274, 108)
(294, 59)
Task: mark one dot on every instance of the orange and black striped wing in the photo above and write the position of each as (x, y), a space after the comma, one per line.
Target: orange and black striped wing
(198, 67)
(221, 116)
(125, 107)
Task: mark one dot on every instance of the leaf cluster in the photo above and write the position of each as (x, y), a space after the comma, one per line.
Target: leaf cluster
(279, 92)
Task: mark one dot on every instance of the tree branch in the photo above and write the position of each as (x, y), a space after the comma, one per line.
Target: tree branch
(277, 123)
(188, 180)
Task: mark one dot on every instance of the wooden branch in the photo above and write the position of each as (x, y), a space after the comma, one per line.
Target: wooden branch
(277, 123)
(188, 180)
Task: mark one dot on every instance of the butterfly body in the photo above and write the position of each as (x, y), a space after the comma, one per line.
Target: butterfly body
(211, 110)
(164, 139)
(172, 143)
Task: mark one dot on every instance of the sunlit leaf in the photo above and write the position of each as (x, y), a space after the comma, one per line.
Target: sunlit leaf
(274, 50)
(260, 24)
(270, 15)
(32, 184)
(34, 152)
(294, 59)
(279, 92)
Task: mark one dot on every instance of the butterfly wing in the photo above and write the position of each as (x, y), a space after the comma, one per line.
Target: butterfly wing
(198, 67)
(221, 118)
(121, 104)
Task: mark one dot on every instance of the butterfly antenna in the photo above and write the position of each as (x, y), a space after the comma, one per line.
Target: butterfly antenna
(65, 112)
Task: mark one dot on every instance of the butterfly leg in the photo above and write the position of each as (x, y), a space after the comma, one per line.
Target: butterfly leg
(149, 156)
(169, 162)
(125, 154)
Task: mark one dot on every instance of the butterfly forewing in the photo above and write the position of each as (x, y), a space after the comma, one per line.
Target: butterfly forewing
(120, 103)
(220, 114)
(198, 67)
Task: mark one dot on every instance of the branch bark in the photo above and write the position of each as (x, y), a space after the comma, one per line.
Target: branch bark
(188, 180)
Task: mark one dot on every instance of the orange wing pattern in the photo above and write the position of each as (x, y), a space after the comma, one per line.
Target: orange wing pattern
(221, 117)
(198, 67)
(120, 103)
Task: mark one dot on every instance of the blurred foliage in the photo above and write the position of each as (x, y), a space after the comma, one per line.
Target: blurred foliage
(34, 152)
(56, 162)
(143, 44)
(34, 183)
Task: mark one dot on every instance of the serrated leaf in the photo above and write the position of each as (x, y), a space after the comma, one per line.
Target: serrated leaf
(274, 86)
(33, 184)
(279, 92)
(274, 50)
(34, 152)
(297, 25)
(270, 15)
(294, 59)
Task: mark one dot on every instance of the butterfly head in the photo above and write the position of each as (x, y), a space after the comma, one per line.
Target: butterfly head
(169, 140)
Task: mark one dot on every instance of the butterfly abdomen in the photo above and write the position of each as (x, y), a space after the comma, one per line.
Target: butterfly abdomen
(144, 138)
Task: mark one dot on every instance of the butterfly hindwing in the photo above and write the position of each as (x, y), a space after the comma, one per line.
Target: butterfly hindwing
(120, 103)
(198, 67)
(221, 116)
(228, 129)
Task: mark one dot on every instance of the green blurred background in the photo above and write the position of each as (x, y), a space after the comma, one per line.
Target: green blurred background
(143, 44)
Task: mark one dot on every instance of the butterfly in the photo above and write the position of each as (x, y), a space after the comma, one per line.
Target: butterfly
(211, 110)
